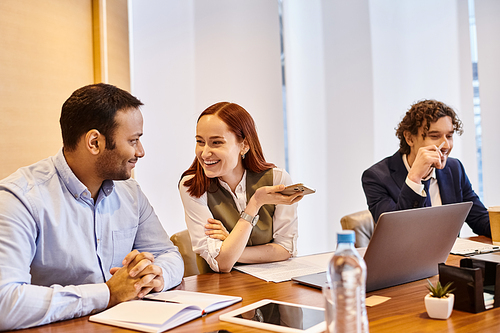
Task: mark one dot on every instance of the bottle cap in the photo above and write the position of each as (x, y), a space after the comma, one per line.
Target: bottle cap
(346, 236)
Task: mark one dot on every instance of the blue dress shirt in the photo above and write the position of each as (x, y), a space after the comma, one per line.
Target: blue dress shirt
(57, 246)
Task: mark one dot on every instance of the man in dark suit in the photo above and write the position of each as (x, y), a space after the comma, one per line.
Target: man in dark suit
(421, 173)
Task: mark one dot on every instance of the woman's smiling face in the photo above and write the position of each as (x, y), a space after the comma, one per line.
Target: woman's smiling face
(218, 150)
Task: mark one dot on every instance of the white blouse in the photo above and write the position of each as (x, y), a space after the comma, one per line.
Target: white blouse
(197, 213)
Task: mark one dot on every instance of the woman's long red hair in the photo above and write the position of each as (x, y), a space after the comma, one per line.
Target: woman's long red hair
(239, 121)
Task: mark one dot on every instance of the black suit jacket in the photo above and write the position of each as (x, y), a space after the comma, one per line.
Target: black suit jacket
(386, 190)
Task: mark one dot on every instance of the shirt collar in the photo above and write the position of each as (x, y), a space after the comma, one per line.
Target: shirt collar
(107, 187)
(73, 184)
(432, 174)
(241, 187)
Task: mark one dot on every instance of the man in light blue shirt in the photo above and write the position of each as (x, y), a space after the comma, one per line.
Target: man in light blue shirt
(77, 234)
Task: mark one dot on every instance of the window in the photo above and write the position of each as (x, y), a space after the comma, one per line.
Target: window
(476, 99)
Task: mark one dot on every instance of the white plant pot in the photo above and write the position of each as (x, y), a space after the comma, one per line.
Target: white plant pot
(439, 308)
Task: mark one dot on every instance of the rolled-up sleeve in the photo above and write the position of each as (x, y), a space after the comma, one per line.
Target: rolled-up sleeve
(152, 237)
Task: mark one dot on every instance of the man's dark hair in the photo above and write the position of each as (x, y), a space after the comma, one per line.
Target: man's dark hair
(93, 107)
(423, 113)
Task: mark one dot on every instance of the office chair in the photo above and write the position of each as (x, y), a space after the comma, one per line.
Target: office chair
(362, 224)
(182, 240)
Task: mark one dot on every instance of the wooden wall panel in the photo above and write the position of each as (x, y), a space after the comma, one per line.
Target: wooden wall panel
(118, 44)
(46, 52)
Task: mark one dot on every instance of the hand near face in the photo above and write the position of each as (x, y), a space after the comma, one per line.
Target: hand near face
(429, 149)
(135, 279)
(216, 230)
(427, 158)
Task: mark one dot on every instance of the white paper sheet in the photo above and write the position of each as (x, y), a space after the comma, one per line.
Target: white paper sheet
(284, 270)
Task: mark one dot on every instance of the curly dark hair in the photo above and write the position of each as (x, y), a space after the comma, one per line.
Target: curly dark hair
(423, 113)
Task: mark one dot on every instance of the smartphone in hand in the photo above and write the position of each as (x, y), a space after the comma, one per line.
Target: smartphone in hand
(296, 188)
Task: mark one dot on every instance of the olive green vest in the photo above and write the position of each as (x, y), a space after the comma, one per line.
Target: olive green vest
(223, 208)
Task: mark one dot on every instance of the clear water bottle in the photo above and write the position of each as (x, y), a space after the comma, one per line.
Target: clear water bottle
(347, 280)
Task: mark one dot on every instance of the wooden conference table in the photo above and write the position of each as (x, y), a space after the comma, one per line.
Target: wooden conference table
(404, 312)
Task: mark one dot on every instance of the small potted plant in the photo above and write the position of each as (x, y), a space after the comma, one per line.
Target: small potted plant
(439, 301)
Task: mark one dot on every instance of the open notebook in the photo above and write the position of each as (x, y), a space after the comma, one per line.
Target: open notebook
(162, 311)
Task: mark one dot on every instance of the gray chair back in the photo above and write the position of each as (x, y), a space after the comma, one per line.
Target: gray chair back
(362, 224)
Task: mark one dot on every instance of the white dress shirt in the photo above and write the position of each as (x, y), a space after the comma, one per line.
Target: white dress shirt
(197, 213)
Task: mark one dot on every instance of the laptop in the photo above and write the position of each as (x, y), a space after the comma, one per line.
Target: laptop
(406, 245)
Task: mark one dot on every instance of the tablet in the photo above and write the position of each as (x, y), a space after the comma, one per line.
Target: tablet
(279, 317)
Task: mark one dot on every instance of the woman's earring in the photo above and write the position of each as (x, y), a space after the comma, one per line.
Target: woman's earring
(243, 156)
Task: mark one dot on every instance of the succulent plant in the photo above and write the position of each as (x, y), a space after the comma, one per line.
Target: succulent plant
(439, 291)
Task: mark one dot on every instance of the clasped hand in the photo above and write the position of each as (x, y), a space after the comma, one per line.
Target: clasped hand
(137, 277)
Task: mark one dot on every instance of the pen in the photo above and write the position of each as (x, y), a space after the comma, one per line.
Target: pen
(159, 300)
(439, 148)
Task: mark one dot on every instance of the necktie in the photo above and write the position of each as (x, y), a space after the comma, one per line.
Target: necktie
(426, 183)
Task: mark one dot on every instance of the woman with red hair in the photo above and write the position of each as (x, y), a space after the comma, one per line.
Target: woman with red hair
(234, 211)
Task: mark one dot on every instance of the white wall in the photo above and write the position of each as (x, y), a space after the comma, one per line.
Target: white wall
(353, 68)
(349, 91)
(421, 50)
(306, 115)
(415, 56)
(163, 72)
(188, 55)
(488, 30)
(329, 89)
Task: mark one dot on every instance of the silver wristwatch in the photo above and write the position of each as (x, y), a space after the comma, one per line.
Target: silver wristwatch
(252, 219)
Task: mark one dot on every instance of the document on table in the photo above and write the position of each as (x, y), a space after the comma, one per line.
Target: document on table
(284, 270)
(467, 247)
